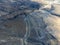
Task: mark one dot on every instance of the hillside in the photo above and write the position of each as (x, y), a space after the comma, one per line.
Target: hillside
(29, 22)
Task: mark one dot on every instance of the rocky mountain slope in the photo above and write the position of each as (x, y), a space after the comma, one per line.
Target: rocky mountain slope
(29, 22)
